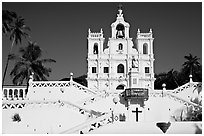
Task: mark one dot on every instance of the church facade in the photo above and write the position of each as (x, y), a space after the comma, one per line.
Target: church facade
(124, 63)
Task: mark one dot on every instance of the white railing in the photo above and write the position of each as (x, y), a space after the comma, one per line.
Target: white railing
(91, 125)
(186, 86)
(17, 104)
(95, 35)
(92, 99)
(14, 92)
(60, 84)
(181, 100)
(158, 93)
(165, 93)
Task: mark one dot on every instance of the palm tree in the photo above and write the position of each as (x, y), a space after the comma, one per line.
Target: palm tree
(192, 66)
(15, 26)
(29, 62)
(169, 78)
(7, 20)
(172, 76)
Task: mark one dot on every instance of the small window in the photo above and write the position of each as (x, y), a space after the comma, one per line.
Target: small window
(120, 46)
(146, 69)
(120, 68)
(95, 49)
(93, 69)
(145, 48)
(134, 80)
(106, 70)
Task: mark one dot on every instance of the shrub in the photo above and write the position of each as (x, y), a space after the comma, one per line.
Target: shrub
(16, 117)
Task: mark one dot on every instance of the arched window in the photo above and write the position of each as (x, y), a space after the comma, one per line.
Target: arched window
(120, 31)
(145, 48)
(95, 48)
(15, 93)
(120, 68)
(120, 87)
(120, 46)
(5, 93)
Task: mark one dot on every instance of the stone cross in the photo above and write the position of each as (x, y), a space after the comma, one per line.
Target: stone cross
(136, 112)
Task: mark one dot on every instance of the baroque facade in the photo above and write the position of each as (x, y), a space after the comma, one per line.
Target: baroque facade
(124, 63)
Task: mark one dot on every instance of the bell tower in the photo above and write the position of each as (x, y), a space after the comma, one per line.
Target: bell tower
(120, 28)
(120, 65)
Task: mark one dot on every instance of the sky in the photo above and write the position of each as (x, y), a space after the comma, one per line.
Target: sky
(61, 30)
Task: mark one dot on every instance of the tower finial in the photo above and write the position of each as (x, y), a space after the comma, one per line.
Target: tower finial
(191, 78)
(120, 6)
(71, 76)
(120, 9)
(150, 30)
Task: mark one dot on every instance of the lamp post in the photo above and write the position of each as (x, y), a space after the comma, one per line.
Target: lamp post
(115, 101)
(164, 89)
(191, 80)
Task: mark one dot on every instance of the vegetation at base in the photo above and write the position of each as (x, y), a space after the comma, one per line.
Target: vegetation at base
(174, 79)
(16, 117)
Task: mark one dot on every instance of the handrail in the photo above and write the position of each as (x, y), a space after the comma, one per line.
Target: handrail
(179, 98)
(93, 98)
(185, 86)
(58, 84)
(59, 101)
(86, 88)
(86, 124)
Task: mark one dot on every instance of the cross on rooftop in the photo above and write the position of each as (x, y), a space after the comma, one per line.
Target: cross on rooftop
(120, 6)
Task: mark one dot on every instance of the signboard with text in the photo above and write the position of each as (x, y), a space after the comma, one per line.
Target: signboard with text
(136, 93)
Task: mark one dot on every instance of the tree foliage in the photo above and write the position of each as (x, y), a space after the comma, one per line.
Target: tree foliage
(14, 27)
(174, 78)
(29, 61)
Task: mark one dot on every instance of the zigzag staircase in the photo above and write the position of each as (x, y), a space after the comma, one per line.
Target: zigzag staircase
(186, 86)
(181, 100)
(91, 125)
(7, 104)
(174, 94)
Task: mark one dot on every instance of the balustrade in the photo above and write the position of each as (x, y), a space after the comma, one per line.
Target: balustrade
(14, 92)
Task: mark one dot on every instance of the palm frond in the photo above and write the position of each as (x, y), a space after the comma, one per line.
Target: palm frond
(30, 62)
(19, 78)
(19, 67)
(47, 60)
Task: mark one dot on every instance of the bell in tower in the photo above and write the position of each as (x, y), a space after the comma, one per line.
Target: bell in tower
(120, 31)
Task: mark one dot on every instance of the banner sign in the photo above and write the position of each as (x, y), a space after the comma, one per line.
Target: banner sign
(136, 93)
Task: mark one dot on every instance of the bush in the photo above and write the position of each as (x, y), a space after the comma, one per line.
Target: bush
(16, 117)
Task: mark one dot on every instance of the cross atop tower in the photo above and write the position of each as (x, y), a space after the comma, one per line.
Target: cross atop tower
(120, 10)
(120, 6)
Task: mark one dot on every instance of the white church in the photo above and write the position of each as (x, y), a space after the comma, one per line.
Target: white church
(120, 97)
(120, 65)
